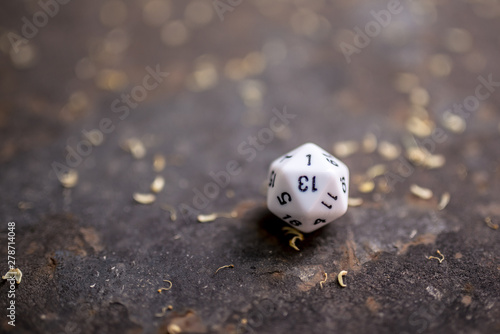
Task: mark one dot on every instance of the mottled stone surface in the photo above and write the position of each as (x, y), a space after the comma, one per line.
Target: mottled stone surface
(93, 259)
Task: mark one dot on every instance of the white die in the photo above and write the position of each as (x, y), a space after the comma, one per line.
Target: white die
(308, 187)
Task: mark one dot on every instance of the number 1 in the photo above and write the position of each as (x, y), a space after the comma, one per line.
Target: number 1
(309, 159)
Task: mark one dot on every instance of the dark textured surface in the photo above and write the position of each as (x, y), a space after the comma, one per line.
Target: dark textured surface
(93, 259)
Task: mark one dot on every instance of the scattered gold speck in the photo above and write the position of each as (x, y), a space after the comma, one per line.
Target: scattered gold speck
(420, 192)
(234, 69)
(25, 205)
(388, 151)
(25, 56)
(15, 274)
(159, 162)
(164, 311)
(340, 277)
(462, 172)
(345, 148)
(417, 155)
(144, 198)
(230, 193)
(226, 266)
(112, 80)
(174, 329)
(366, 187)
(244, 321)
(421, 157)
(420, 112)
(437, 258)
(254, 63)
(174, 33)
(323, 281)
(419, 96)
(171, 210)
(354, 201)
(490, 224)
(440, 65)
(434, 161)
(458, 40)
(445, 199)
(375, 171)
(466, 300)
(135, 147)
(252, 92)
(232, 214)
(78, 100)
(369, 143)
(69, 179)
(204, 76)
(199, 13)
(207, 218)
(297, 235)
(358, 178)
(291, 230)
(305, 22)
(419, 127)
(405, 82)
(454, 122)
(383, 186)
(158, 184)
(213, 216)
(156, 12)
(77, 105)
(165, 289)
(284, 133)
(292, 242)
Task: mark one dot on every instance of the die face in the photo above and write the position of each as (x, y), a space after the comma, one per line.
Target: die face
(308, 187)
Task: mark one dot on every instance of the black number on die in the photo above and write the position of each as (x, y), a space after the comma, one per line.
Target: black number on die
(319, 221)
(344, 185)
(286, 157)
(293, 222)
(271, 179)
(303, 179)
(329, 206)
(282, 198)
(330, 160)
(308, 159)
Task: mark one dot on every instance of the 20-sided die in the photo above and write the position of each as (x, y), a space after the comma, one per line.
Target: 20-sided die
(308, 187)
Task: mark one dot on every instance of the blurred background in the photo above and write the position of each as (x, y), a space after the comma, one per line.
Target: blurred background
(100, 98)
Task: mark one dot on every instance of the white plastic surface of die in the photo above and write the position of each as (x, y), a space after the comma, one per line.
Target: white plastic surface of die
(308, 187)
